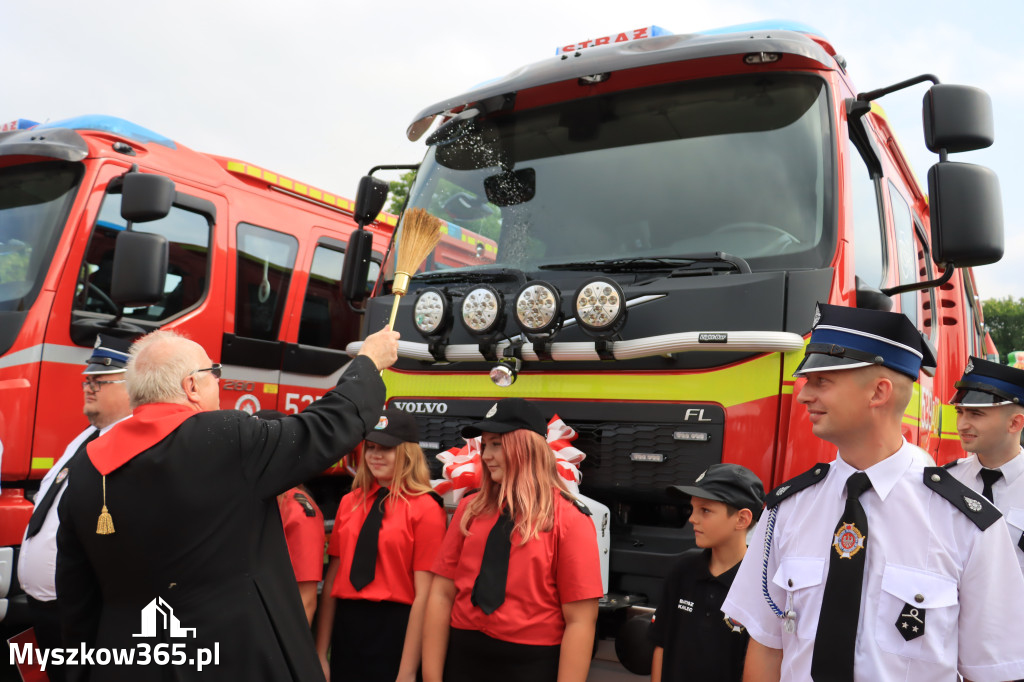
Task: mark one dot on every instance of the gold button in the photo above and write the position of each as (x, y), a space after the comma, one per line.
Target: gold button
(919, 598)
(791, 582)
(936, 478)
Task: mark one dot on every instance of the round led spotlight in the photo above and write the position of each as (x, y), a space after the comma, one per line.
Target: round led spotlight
(431, 313)
(482, 311)
(538, 308)
(600, 307)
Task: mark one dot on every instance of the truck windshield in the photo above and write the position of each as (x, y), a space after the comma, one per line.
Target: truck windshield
(34, 203)
(742, 165)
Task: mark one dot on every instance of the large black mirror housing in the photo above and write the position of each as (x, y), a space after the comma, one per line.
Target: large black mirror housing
(370, 199)
(146, 197)
(966, 214)
(140, 268)
(357, 265)
(957, 118)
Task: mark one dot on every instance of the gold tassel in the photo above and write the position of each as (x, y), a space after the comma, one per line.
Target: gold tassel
(105, 524)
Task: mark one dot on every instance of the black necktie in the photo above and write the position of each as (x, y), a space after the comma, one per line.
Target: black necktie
(489, 588)
(364, 559)
(832, 659)
(42, 508)
(988, 477)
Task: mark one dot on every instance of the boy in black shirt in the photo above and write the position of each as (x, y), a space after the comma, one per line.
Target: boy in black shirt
(693, 639)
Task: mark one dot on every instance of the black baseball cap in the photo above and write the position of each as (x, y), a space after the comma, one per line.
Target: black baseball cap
(109, 355)
(732, 484)
(508, 414)
(394, 427)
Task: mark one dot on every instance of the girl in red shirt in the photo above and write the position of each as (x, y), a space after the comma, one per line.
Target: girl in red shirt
(383, 545)
(518, 576)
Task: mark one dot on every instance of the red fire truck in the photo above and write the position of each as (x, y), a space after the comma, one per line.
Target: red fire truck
(666, 213)
(242, 260)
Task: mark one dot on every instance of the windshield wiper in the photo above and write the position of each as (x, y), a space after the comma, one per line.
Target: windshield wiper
(476, 276)
(639, 263)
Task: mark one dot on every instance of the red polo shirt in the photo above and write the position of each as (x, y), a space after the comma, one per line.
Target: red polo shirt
(555, 568)
(410, 534)
(304, 534)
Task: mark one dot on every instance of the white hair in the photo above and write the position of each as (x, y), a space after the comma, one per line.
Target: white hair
(157, 365)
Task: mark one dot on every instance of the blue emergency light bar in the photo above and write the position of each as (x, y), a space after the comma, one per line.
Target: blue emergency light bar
(17, 124)
(112, 124)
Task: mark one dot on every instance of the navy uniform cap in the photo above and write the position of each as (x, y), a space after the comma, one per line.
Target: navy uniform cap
(985, 384)
(109, 355)
(847, 338)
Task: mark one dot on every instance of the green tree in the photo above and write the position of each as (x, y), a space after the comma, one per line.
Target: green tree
(1005, 320)
(400, 191)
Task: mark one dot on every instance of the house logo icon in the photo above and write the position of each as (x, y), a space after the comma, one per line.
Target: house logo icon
(158, 616)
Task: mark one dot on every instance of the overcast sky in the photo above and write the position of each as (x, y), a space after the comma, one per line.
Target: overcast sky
(323, 90)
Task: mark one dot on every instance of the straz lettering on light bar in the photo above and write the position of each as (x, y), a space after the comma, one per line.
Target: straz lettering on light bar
(625, 37)
(691, 435)
(712, 337)
(646, 457)
(421, 408)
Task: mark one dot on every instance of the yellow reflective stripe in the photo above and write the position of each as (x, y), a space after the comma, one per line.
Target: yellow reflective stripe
(948, 424)
(270, 388)
(913, 410)
(42, 463)
(742, 383)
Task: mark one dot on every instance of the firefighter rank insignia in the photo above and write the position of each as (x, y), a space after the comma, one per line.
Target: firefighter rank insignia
(848, 541)
(911, 622)
(733, 625)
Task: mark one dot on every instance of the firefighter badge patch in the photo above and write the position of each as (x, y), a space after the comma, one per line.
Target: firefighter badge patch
(848, 541)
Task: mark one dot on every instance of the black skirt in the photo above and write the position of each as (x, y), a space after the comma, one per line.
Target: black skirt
(367, 640)
(473, 656)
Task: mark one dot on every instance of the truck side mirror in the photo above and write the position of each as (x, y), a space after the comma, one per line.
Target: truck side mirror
(957, 118)
(370, 199)
(140, 268)
(146, 197)
(966, 214)
(357, 265)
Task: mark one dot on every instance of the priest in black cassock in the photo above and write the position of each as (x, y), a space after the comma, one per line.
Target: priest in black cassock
(170, 546)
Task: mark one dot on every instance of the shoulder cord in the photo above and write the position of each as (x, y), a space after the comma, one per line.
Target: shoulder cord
(769, 532)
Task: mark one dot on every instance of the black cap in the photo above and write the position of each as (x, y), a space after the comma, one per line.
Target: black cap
(985, 384)
(847, 338)
(269, 414)
(394, 427)
(732, 484)
(508, 414)
(109, 355)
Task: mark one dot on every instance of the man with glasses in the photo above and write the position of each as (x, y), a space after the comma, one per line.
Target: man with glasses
(105, 404)
(174, 513)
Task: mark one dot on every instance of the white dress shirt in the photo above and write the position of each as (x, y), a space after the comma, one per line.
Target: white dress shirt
(922, 551)
(1008, 492)
(37, 561)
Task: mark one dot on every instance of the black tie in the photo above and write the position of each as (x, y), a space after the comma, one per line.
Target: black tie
(834, 641)
(489, 588)
(38, 517)
(988, 477)
(364, 559)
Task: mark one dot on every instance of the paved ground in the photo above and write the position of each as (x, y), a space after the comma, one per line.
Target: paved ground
(606, 667)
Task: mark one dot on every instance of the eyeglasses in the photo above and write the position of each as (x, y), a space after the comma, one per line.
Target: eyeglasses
(215, 370)
(94, 386)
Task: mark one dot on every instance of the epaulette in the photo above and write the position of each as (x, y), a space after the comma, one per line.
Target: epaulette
(437, 498)
(794, 485)
(975, 507)
(950, 465)
(583, 509)
(306, 505)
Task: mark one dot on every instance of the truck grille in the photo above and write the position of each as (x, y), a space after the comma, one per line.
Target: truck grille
(623, 442)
